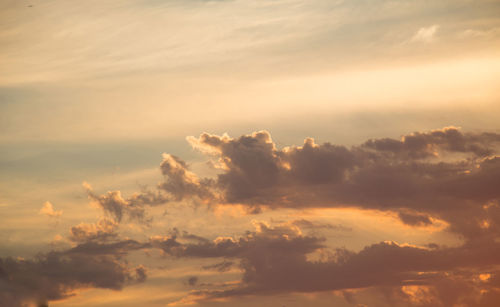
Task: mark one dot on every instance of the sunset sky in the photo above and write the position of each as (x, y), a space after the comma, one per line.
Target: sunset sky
(249, 153)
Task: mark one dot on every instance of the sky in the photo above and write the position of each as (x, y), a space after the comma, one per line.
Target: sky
(249, 153)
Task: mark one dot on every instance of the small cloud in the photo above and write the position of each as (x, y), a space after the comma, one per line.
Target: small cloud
(192, 281)
(86, 186)
(425, 34)
(58, 240)
(473, 33)
(48, 210)
(480, 33)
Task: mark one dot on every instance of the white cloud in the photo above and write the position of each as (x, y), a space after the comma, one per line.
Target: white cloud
(425, 34)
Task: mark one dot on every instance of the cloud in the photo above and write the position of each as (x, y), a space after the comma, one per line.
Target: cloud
(250, 161)
(480, 33)
(306, 224)
(192, 280)
(48, 210)
(415, 219)
(102, 231)
(441, 174)
(115, 206)
(425, 34)
(180, 183)
(444, 174)
(275, 260)
(223, 266)
(57, 274)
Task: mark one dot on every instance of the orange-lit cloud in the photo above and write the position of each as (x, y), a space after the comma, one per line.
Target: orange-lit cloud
(48, 210)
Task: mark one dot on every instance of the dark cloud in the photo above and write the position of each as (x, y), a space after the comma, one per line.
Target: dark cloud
(223, 266)
(422, 178)
(55, 275)
(116, 207)
(276, 260)
(446, 174)
(306, 224)
(422, 145)
(192, 280)
(180, 183)
(267, 238)
(415, 219)
(250, 162)
(443, 174)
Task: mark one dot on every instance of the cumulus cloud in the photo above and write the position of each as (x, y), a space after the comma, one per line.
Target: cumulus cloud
(48, 210)
(442, 173)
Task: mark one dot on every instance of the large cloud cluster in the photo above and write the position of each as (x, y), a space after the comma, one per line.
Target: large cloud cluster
(445, 174)
(423, 177)
(276, 260)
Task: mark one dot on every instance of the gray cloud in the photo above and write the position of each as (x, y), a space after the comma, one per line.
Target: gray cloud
(415, 219)
(306, 224)
(192, 281)
(220, 266)
(443, 173)
(133, 207)
(275, 260)
(55, 275)
(180, 183)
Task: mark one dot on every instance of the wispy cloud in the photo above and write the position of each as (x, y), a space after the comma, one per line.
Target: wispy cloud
(425, 34)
